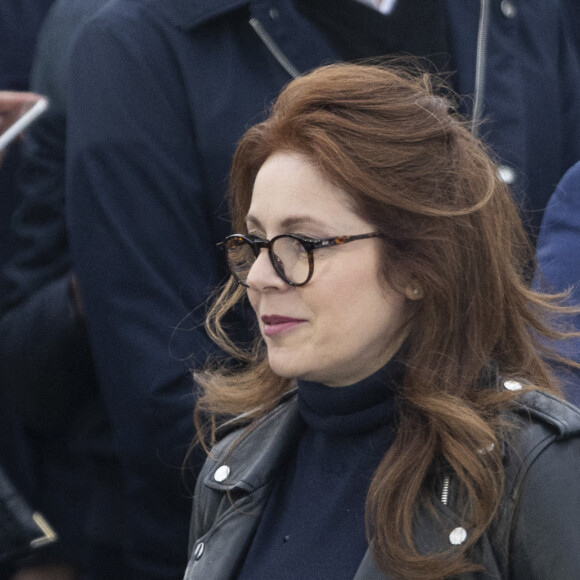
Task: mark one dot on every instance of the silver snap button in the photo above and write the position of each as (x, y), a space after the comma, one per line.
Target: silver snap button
(199, 551)
(506, 174)
(458, 536)
(508, 9)
(512, 385)
(221, 473)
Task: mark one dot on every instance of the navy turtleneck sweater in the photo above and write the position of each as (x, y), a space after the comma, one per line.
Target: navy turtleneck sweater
(313, 524)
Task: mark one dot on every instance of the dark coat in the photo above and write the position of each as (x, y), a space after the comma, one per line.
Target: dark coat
(44, 354)
(46, 368)
(541, 504)
(161, 91)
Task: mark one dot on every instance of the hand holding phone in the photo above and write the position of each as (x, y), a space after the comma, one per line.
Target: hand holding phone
(17, 111)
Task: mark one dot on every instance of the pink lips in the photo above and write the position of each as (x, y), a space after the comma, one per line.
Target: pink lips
(277, 324)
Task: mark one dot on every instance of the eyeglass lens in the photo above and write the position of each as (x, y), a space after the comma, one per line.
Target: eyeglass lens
(288, 256)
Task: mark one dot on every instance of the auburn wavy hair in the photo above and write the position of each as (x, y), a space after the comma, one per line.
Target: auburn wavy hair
(414, 171)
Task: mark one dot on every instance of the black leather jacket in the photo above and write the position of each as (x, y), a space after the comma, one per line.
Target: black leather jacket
(537, 526)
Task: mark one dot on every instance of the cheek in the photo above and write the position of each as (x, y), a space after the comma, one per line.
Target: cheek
(366, 307)
(339, 311)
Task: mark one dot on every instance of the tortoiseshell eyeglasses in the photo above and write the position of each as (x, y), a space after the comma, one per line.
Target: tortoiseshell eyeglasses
(290, 254)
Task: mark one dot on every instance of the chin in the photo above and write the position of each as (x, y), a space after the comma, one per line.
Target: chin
(287, 369)
(285, 372)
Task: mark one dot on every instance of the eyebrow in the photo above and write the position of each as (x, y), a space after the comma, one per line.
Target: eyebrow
(290, 222)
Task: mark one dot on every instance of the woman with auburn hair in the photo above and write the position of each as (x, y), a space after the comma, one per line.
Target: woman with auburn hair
(395, 417)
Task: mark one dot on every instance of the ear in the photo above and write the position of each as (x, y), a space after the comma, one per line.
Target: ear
(414, 292)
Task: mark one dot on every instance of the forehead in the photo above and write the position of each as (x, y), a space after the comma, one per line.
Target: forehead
(288, 188)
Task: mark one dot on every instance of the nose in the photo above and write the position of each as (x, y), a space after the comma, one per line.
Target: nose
(262, 275)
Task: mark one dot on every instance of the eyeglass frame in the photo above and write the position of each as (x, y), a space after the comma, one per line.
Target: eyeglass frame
(308, 243)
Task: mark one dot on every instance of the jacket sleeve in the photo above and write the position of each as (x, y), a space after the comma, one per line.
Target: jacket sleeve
(139, 235)
(558, 262)
(547, 528)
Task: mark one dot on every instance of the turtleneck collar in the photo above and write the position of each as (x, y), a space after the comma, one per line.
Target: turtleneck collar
(357, 408)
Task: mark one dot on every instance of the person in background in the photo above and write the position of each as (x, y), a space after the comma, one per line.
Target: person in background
(20, 21)
(160, 93)
(394, 410)
(558, 262)
(45, 363)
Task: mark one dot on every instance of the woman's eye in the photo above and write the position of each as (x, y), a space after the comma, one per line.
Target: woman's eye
(255, 237)
(308, 237)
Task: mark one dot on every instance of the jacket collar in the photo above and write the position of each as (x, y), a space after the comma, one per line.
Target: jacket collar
(295, 39)
(188, 14)
(258, 457)
(275, 435)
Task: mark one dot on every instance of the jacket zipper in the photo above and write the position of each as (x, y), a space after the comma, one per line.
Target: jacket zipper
(445, 491)
(274, 48)
(480, 64)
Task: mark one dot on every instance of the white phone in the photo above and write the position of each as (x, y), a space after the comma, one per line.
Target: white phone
(28, 111)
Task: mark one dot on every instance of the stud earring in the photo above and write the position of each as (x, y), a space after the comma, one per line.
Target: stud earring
(414, 292)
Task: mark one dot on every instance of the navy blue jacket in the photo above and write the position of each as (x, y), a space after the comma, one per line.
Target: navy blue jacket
(45, 364)
(161, 91)
(558, 258)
